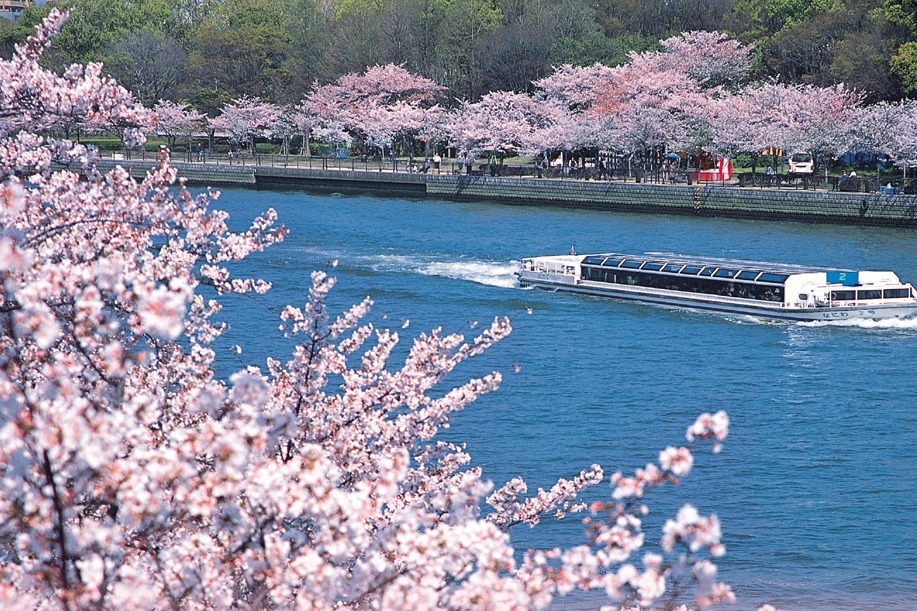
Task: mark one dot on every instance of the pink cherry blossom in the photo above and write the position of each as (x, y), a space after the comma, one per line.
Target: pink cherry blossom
(711, 58)
(177, 120)
(246, 118)
(677, 460)
(381, 104)
(133, 476)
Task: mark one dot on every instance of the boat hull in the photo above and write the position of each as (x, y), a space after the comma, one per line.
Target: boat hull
(725, 305)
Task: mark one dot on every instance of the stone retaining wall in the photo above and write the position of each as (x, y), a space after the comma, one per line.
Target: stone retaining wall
(209, 175)
(386, 183)
(700, 200)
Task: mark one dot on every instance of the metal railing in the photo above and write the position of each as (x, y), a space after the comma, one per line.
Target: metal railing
(485, 168)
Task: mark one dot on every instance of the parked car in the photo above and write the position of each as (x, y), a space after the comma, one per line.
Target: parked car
(800, 164)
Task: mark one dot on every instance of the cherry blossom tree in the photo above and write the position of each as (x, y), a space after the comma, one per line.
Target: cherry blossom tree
(739, 124)
(81, 98)
(378, 105)
(658, 99)
(132, 476)
(873, 128)
(284, 126)
(905, 136)
(710, 58)
(304, 122)
(245, 119)
(886, 129)
(648, 106)
(177, 120)
(575, 86)
(808, 118)
(323, 128)
(383, 125)
(573, 89)
(507, 121)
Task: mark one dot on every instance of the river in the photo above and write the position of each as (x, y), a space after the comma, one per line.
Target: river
(816, 486)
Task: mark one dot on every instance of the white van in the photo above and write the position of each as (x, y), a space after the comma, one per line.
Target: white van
(800, 163)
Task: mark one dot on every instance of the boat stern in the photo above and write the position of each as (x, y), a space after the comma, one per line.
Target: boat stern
(550, 270)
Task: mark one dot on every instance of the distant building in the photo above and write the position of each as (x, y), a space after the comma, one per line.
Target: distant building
(12, 8)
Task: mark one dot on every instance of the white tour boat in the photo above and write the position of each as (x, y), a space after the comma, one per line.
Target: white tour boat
(765, 290)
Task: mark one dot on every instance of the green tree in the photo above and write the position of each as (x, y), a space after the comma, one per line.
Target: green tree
(308, 35)
(803, 51)
(94, 25)
(15, 32)
(760, 19)
(409, 34)
(862, 61)
(660, 18)
(356, 43)
(535, 36)
(902, 12)
(149, 64)
(240, 48)
(465, 27)
(904, 66)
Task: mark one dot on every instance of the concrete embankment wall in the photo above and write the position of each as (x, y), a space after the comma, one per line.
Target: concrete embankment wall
(209, 175)
(700, 200)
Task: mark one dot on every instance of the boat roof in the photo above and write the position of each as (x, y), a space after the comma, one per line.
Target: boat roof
(742, 264)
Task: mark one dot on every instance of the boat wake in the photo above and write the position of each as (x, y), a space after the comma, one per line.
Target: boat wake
(907, 324)
(490, 273)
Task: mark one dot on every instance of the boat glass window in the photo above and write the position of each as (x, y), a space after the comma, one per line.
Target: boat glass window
(771, 277)
(632, 263)
(707, 271)
(843, 295)
(869, 294)
(653, 266)
(725, 273)
(747, 275)
(685, 283)
(897, 293)
(673, 267)
(612, 262)
(689, 269)
(593, 260)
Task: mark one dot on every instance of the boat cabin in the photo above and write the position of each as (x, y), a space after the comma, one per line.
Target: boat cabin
(786, 285)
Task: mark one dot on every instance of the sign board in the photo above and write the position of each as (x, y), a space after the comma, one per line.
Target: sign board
(845, 278)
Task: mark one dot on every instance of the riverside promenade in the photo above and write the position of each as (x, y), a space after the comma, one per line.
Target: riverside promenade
(709, 200)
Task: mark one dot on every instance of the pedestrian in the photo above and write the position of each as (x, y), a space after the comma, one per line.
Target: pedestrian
(231, 156)
(460, 160)
(437, 160)
(200, 152)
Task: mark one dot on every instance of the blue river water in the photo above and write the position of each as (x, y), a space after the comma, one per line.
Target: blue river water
(816, 486)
